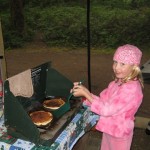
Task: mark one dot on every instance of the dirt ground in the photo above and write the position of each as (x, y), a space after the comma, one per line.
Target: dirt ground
(73, 64)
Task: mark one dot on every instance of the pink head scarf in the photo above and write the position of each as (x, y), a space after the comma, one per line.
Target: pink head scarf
(128, 54)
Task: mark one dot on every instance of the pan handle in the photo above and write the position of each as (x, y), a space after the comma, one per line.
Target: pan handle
(71, 94)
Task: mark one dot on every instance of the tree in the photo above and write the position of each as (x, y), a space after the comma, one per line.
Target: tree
(17, 16)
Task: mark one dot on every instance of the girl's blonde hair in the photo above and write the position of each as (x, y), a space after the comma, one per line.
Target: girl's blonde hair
(136, 74)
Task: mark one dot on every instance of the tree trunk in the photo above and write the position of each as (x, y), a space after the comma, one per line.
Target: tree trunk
(17, 16)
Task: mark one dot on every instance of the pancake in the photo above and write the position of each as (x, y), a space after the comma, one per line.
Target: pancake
(53, 104)
(41, 118)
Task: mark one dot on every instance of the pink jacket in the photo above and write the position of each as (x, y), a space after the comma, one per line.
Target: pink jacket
(117, 106)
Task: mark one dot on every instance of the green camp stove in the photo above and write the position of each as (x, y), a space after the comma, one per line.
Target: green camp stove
(47, 82)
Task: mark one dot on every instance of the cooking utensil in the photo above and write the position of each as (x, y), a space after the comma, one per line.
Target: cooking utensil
(71, 94)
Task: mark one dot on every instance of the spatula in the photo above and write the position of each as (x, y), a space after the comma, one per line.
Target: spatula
(71, 94)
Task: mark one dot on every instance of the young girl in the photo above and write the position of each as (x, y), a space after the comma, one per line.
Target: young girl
(118, 103)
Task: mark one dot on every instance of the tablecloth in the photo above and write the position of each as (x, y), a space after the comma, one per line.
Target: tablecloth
(83, 121)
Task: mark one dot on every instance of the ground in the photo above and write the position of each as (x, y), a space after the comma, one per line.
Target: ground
(73, 64)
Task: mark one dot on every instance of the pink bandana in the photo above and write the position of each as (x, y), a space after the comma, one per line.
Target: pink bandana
(128, 54)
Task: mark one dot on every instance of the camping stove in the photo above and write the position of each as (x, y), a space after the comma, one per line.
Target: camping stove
(46, 82)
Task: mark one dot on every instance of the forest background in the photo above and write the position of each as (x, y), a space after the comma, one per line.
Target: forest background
(64, 22)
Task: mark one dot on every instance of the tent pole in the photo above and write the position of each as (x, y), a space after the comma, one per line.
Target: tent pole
(88, 45)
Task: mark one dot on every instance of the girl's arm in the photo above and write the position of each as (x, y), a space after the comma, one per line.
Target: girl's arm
(129, 97)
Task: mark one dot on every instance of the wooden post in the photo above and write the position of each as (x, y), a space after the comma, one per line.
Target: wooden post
(2, 57)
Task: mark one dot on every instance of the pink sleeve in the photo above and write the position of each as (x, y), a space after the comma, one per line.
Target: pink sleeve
(129, 96)
(86, 102)
(102, 95)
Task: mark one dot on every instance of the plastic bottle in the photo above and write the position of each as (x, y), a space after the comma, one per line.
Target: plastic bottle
(147, 130)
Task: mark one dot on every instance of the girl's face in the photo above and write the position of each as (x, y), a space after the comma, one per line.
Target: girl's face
(122, 70)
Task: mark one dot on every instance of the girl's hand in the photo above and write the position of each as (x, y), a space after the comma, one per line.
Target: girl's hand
(80, 90)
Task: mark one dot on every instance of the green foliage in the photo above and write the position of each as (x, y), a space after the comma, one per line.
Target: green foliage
(109, 27)
(112, 23)
(122, 3)
(11, 37)
(64, 25)
(115, 27)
